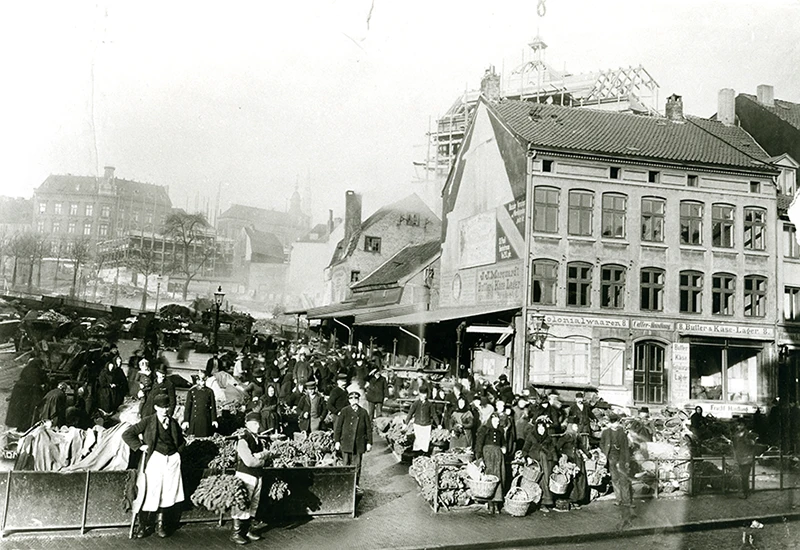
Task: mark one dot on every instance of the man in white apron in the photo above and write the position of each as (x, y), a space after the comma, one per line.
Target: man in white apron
(160, 438)
(423, 414)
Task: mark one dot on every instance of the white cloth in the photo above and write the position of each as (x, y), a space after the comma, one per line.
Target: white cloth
(226, 388)
(164, 483)
(253, 485)
(422, 438)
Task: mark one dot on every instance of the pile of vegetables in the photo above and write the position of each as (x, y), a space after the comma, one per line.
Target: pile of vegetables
(306, 451)
(565, 467)
(440, 436)
(452, 486)
(278, 490)
(221, 493)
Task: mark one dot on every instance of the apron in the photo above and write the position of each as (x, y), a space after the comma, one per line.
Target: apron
(164, 483)
(422, 438)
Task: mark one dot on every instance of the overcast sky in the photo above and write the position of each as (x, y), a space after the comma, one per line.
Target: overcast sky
(253, 97)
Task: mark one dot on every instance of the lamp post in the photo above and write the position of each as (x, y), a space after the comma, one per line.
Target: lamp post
(218, 296)
(538, 330)
(158, 292)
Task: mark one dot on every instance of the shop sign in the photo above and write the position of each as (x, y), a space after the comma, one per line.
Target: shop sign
(502, 284)
(728, 330)
(516, 209)
(652, 325)
(726, 410)
(477, 240)
(680, 372)
(574, 321)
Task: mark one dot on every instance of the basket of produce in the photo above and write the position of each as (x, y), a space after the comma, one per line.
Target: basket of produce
(483, 487)
(558, 483)
(517, 501)
(531, 472)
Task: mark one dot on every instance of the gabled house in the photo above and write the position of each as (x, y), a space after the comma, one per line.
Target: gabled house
(308, 258)
(260, 265)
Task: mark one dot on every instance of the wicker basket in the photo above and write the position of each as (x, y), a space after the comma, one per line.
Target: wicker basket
(532, 473)
(517, 508)
(534, 490)
(484, 488)
(558, 484)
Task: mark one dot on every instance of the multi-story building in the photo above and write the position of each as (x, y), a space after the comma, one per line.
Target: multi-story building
(287, 226)
(637, 254)
(98, 208)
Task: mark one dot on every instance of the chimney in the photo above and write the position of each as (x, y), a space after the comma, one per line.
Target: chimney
(766, 95)
(352, 214)
(726, 107)
(490, 84)
(674, 108)
(330, 221)
(108, 173)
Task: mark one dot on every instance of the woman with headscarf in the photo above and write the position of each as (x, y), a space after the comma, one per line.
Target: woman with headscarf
(539, 446)
(490, 447)
(107, 388)
(269, 409)
(28, 391)
(571, 445)
(461, 425)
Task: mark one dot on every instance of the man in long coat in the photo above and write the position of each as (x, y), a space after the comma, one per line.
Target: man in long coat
(311, 408)
(27, 393)
(338, 399)
(54, 406)
(352, 433)
(200, 411)
(614, 444)
(161, 386)
(161, 439)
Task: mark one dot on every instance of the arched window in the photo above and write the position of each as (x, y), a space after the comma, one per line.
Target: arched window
(615, 209)
(691, 292)
(579, 284)
(612, 286)
(723, 293)
(722, 221)
(653, 210)
(581, 206)
(544, 281)
(545, 209)
(652, 289)
(755, 296)
(691, 222)
(755, 228)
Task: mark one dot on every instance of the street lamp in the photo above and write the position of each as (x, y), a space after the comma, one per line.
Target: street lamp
(538, 330)
(158, 291)
(218, 296)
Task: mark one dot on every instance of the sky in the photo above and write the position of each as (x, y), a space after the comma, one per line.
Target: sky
(248, 100)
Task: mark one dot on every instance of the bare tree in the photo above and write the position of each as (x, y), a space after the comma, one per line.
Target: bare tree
(32, 247)
(17, 247)
(142, 261)
(80, 253)
(189, 233)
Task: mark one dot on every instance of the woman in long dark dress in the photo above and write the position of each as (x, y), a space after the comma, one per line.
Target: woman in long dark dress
(490, 447)
(269, 409)
(107, 389)
(461, 426)
(539, 446)
(27, 393)
(571, 445)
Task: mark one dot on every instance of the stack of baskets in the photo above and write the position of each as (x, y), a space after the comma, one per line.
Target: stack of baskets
(530, 481)
(518, 500)
(483, 488)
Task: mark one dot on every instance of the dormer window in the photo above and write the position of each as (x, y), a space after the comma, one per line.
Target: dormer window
(372, 244)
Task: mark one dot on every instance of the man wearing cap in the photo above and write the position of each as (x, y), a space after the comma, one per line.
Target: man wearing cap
(338, 398)
(200, 411)
(352, 433)
(580, 413)
(377, 390)
(161, 440)
(161, 386)
(310, 408)
(213, 363)
(423, 414)
(250, 453)
(614, 444)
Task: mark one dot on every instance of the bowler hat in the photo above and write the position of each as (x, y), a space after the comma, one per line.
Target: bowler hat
(161, 401)
(578, 394)
(161, 367)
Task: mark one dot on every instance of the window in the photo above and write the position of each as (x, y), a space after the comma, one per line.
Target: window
(652, 287)
(755, 187)
(581, 204)
(57, 208)
(715, 369)
(103, 231)
(105, 212)
(579, 284)
(614, 173)
(654, 176)
(755, 237)
(653, 219)
(89, 209)
(87, 228)
(547, 166)
(563, 361)
(755, 296)
(372, 244)
(612, 286)
(73, 209)
(691, 222)
(56, 227)
(790, 247)
(545, 210)
(40, 226)
(691, 292)
(614, 209)
(71, 227)
(722, 225)
(723, 291)
(544, 280)
(791, 303)
(691, 180)
(355, 276)
(612, 362)
(42, 207)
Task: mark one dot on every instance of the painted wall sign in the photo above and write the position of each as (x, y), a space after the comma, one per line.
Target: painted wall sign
(505, 251)
(680, 372)
(574, 321)
(501, 284)
(652, 325)
(726, 410)
(727, 330)
(516, 209)
(477, 240)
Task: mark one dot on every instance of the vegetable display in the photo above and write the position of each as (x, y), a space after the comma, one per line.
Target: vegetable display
(565, 467)
(440, 436)
(278, 490)
(220, 493)
(452, 487)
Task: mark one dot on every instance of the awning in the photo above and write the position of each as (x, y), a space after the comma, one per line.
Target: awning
(437, 315)
(349, 309)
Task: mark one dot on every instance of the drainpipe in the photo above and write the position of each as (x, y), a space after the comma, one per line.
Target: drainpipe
(520, 381)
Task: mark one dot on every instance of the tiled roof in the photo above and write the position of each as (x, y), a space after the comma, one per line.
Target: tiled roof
(784, 110)
(265, 245)
(694, 141)
(784, 202)
(402, 264)
(67, 184)
(256, 215)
